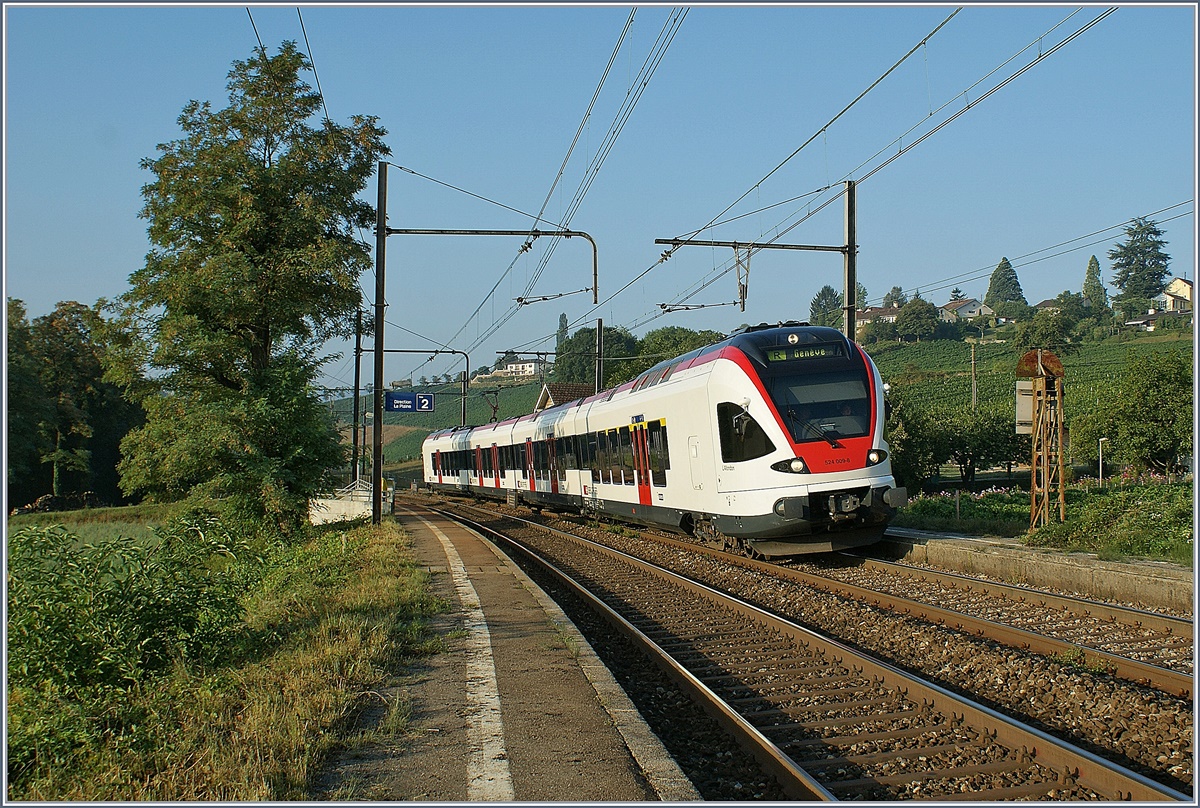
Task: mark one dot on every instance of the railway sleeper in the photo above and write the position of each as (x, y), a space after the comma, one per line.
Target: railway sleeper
(826, 707)
(716, 675)
(792, 696)
(876, 758)
(850, 741)
(949, 776)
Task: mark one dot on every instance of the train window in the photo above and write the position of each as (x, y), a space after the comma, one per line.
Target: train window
(522, 460)
(614, 457)
(580, 442)
(593, 453)
(559, 445)
(656, 439)
(741, 437)
(820, 406)
(626, 455)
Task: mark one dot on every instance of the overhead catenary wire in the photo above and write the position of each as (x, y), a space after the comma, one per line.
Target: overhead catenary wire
(638, 86)
(667, 253)
(554, 184)
(633, 95)
(786, 228)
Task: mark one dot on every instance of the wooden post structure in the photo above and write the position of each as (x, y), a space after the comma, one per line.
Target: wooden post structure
(1047, 467)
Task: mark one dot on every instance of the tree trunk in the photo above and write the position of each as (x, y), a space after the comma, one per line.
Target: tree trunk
(56, 465)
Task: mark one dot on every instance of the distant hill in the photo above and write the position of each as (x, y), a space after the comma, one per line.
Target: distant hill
(402, 444)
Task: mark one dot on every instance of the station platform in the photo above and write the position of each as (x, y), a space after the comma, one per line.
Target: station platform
(519, 708)
(1149, 584)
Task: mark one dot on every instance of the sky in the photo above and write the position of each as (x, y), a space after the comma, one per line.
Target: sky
(718, 122)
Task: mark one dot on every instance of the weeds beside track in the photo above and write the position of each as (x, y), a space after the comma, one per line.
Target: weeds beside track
(199, 666)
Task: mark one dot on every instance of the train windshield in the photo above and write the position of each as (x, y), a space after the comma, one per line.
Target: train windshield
(822, 406)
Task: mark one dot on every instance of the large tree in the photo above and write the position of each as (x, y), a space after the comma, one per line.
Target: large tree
(576, 360)
(1094, 293)
(666, 343)
(917, 318)
(976, 440)
(1140, 266)
(894, 298)
(1145, 413)
(66, 346)
(1004, 286)
(826, 307)
(255, 220)
(29, 407)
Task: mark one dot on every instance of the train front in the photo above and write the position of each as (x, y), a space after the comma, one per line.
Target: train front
(804, 467)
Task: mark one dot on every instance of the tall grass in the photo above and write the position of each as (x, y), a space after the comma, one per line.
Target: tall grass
(1148, 520)
(200, 667)
(1152, 520)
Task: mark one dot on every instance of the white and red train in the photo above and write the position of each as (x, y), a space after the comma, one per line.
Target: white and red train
(769, 443)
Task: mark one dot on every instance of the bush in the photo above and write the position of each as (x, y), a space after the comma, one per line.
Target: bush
(993, 512)
(1144, 520)
(106, 613)
(226, 674)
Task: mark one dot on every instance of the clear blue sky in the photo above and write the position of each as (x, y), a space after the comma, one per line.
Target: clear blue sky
(489, 99)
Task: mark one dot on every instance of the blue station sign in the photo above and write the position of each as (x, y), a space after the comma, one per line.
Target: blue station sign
(408, 402)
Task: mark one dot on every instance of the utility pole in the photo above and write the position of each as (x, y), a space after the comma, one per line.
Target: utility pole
(377, 408)
(599, 354)
(850, 254)
(357, 374)
(974, 385)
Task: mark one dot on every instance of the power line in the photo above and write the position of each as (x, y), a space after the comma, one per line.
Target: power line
(728, 267)
(667, 254)
(312, 62)
(831, 121)
(632, 96)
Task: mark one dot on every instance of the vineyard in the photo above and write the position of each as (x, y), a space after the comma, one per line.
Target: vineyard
(938, 373)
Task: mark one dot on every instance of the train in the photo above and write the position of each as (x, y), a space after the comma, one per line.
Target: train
(768, 443)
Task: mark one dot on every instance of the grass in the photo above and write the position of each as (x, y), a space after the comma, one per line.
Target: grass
(1144, 520)
(1151, 520)
(92, 525)
(317, 627)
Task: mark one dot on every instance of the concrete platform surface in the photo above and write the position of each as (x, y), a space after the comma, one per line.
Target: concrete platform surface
(1149, 584)
(519, 708)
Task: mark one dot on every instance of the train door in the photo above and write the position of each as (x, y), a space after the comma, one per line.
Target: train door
(529, 468)
(496, 464)
(437, 464)
(479, 464)
(695, 462)
(641, 463)
(552, 462)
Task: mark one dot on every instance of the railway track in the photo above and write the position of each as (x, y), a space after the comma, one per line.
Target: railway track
(827, 721)
(1142, 646)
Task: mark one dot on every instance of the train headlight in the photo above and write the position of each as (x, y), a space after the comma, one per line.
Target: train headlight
(794, 466)
(876, 456)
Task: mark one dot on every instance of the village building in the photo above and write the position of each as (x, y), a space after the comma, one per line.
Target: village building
(965, 309)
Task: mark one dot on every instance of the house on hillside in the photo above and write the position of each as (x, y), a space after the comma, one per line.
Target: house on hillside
(875, 314)
(517, 370)
(1156, 319)
(1176, 297)
(555, 393)
(966, 309)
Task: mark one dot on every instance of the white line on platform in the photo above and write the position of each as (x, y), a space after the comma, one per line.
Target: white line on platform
(488, 775)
